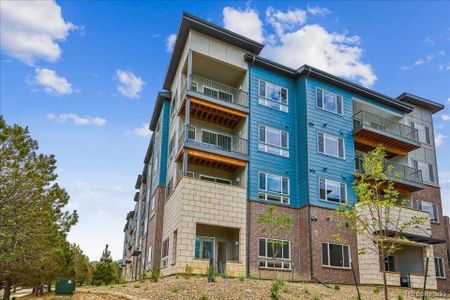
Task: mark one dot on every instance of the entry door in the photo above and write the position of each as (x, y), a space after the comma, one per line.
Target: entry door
(221, 257)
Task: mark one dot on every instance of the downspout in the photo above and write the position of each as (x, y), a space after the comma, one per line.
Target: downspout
(248, 170)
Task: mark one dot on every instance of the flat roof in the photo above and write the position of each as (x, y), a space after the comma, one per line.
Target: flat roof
(420, 101)
(188, 22)
(307, 71)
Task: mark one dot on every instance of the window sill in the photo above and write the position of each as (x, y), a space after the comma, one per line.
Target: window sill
(275, 269)
(277, 155)
(338, 268)
(332, 156)
(332, 202)
(329, 111)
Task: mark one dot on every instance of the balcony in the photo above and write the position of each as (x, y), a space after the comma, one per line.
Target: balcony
(371, 130)
(214, 102)
(213, 149)
(409, 179)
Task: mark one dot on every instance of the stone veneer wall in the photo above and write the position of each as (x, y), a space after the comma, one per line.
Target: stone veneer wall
(371, 273)
(195, 201)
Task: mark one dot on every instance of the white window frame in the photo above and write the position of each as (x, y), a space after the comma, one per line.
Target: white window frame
(265, 194)
(326, 196)
(272, 103)
(433, 205)
(325, 135)
(165, 259)
(271, 148)
(328, 252)
(323, 102)
(437, 258)
(204, 177)
(267, 259)
(149, 255)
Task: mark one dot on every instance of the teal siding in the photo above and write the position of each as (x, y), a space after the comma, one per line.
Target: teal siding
(165, 113)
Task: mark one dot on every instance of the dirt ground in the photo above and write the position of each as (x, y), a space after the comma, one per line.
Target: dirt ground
(199, 288)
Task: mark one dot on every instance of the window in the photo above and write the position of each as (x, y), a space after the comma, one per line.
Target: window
(430, 208)
(423, 132)
(153, 204)
(174, 102)
(149, 257)
(191, 133)
(333, 191)
(170, 187)
(194, 86)
(389, 263)
(427, 170)
(279, 185)
(278, 249)
(274, 141)
(273, 96)
(330, 145)
(334, 255)
(329, 101)
(171, 146)
(215, 179)
(439, 266)
(204, 247)
(174, 247)
(155, 166)
(165, 252)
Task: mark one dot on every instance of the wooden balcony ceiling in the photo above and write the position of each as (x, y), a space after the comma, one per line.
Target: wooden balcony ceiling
(366, 140)
(211, 112)
(212, 160)
(406, 189)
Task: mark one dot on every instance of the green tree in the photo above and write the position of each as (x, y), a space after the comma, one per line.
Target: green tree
(106, 271)
(33, 222)
(275, 225)
(81, 266)
(378, 213)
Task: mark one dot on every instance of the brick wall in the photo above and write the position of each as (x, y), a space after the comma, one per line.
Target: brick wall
(433, 194)
(154, 231)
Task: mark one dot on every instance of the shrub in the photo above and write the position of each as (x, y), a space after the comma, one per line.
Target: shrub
(136, 286)
(211, 275)
(106, 273)
(336, 287)
(306, 291)
(204, 296)
(277, 285)
(187, 271)
(156, 274)
(316, 297)
(241, 278)
(399, 296)
(175, 289)
(377, 289)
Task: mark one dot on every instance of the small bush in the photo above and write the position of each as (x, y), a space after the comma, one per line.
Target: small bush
(316, 297)
(187, 271)
(241, 278)
(156, 274)
(111, 286)
(211, 275)
(306, 291)
(136, 286)
(336, 287)
(204, 296)
(253, 276)
(277, 286)
(399, 296)
(377, 289)
(146, 288)
(175, 289)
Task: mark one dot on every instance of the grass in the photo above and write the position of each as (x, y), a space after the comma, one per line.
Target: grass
(175, 289)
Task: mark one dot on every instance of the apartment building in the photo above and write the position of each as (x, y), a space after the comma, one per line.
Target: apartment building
(234, 132)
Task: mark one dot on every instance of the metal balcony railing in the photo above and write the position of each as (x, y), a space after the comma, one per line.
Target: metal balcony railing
(210, 138)
(406, 173)
(364, 118)
(217, 90)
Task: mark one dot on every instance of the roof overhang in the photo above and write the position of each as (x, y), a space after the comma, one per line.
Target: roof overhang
(425, 239)
(136, 197)
(148, 154)
(309, 71)
(137, 185)
(189, 22)
(420, 101)
(162, 96)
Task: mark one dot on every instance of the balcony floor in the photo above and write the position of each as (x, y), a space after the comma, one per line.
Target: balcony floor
(211, 160)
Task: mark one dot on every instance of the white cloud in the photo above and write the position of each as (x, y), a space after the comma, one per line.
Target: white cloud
(282, 21)
(445, 117)
(77, 120)
(245, 22)
(170, 42)
(439, 139)
(421, 61)
(295, 44)
(129, 85)
(142, 131)
(31, 30)
(51, 82)
(444, 67)
(319, 11)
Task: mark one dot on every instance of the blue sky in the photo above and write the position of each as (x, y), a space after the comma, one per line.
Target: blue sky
(83, 75)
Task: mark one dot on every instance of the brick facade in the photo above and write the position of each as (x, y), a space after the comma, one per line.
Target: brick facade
(154, 231)
(439, 229)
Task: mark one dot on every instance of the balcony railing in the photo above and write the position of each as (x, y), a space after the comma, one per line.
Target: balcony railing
(214, 139)
(364, 118)
(405, 173)
(217, 90)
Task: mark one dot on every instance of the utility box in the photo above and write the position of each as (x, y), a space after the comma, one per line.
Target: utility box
(65, 287)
